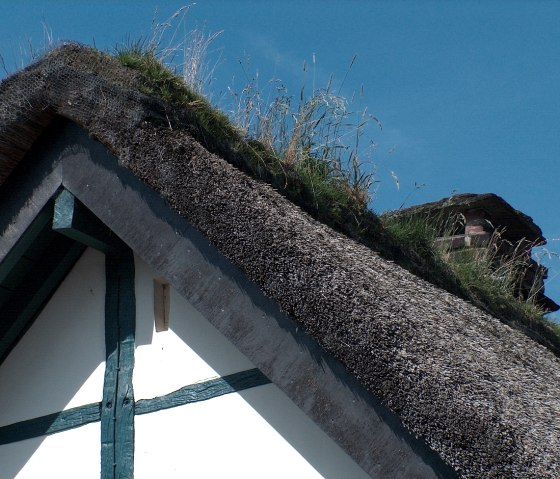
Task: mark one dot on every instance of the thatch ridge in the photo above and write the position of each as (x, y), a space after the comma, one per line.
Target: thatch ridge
(482, 395)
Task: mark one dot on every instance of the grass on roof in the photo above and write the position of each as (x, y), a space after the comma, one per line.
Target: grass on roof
(320, 185)
(324, 188)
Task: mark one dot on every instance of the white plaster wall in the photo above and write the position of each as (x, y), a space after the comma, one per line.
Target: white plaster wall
(191, 350)
(256, 433)
(60, 361)
(70, 454)
(230, 437)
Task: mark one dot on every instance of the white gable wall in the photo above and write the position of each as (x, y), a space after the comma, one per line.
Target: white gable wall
(42, 374)
(72, 454)
(59, 364)
(256, 433)
(228, 437)
(192, 350)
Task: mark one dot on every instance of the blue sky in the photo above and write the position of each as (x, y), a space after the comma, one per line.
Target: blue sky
(467, 92)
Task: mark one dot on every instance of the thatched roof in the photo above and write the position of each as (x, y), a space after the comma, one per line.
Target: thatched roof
(481, 394)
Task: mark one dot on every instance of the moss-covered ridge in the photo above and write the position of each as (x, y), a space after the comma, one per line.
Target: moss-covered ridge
(329, 199)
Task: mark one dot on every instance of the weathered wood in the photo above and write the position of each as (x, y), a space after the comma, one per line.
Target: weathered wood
(40, 283)
(204, 391)
(72, 219)
(161, 304)
(117, 413)
(108, 460)
(124, 447)
(51, 423)
(25, 242)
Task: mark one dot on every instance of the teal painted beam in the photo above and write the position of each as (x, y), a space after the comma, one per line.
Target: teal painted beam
(203, 391)
(117, 412)
(125, 410)
(72, 219)
(50, 424)
(41, 283)
(108, 459)
(25, 241)
(89, 413)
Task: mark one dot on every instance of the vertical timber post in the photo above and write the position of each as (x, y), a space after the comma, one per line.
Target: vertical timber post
(72, 219)
(117, 411)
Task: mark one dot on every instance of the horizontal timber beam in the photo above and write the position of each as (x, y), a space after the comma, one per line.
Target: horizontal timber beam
(204, 391)
(51, 423)
(82, 415)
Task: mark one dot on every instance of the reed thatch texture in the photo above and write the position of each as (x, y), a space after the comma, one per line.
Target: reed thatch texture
(481, 394)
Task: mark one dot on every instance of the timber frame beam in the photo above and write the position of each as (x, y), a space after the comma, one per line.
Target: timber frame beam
(74, 220)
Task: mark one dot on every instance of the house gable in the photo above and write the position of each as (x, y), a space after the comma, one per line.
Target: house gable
(66, 159)
(478, 392)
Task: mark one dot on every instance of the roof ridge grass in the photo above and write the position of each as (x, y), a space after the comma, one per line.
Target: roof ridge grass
(328, 200)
